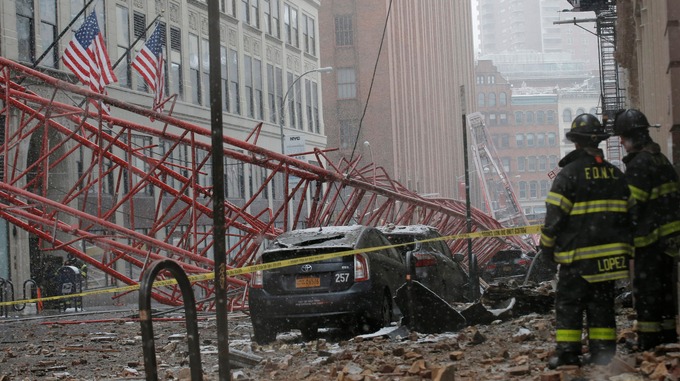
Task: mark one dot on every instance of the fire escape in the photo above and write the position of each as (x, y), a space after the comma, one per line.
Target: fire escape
(612, 95)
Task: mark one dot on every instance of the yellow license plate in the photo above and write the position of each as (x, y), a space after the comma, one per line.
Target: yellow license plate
(307, 282)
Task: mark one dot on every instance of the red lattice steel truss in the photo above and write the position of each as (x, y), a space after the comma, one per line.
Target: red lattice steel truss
(105, 205)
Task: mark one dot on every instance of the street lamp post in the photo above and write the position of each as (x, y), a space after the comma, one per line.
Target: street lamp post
(282, 120)
(282, 114)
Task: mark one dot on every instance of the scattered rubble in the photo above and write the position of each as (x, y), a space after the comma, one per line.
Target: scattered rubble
(509, 346)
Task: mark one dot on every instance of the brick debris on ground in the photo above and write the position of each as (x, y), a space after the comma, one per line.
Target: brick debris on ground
(91, 347)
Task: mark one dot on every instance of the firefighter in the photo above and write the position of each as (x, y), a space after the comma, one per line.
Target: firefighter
(654, 186)
(587, 232)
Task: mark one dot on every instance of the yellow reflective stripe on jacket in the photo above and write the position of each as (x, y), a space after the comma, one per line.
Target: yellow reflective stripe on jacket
(638, 193)
(559, 201)
(648, 326)
(654, 193)
(547, 241)
(591, 252)
(602, 334)
(568, 335)
(599, 206)
(661, 231)
(606, 276)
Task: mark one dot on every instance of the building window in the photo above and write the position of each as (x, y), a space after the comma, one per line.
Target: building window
(139, 31)
(290, 78)
(228, 7)
(271, 18)
(271, 93)
(347, 134)
(518, 117)
(523, 190)
(505, 141)
(533, 189)
(308, 105)
(545, 186)
(234, 95)
(530, 140)
(309, 35)
(298, 105)
(259, 93)
(234, 178)
(530, 117)
(519, 140)
(48, 32)
(492, 99)
(290, 23)
(552, 140)
(347, 84)
(593, 111)
(344, 33)
(540, 140)
(542, 163)
(248, 86)
(175, 75)
(194, 69)
(540, 117)
(123, 43)
(503, 119)
(566, 115)
(491, 79)
(550, 117)
(505, 161)
(580, 111)
(205, 72)
(255, 13)
(531, 164)
(502, 99)
(25, 30)
(481, 100)
(521, 164)
(279, 93)
(245, 11)
(552, 161)
(492, 119)
(317, 116)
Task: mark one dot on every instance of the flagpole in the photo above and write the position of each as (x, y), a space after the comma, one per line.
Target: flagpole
(63, 32)
(127, 51)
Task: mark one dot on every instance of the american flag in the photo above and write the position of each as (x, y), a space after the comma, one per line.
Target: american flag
(149, 63)
(87, 58)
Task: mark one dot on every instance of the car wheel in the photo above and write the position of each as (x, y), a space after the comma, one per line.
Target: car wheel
(263, 332)
(309, 332)
(382, 317)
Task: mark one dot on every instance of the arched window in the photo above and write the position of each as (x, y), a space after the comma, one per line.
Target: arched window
(580, 111)
(533, 189)
(521, 163)
(502, 99)
(530, 140)
(593, 111)
(540, 139)
(566, 115)
(531, 164)
(552, 139)
(518, 117)
(545, 186)
(492, 99)
(480, 99)
(519, 140)
(542, 163)
(550, 119)
(540, 117)
(530, 117)
(552, 161)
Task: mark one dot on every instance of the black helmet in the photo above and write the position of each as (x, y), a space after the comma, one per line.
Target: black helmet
(629, 121)
(586, 128)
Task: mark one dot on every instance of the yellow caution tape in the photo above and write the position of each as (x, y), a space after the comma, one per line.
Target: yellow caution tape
(534, 229)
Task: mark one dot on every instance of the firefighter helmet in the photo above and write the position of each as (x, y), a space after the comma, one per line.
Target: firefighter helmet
(629, 121)
(586, 128)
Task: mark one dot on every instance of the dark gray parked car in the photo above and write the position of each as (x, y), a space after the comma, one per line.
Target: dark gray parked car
(352, 292)
(436, 268)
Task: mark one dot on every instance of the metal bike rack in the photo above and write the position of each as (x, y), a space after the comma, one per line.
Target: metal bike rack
(149, 347)
(6, 284)
(33, 285)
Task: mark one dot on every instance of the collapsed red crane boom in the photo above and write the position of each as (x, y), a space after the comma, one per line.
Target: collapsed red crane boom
(142, 191)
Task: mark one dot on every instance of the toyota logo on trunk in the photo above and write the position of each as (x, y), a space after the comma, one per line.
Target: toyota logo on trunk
(306, 268)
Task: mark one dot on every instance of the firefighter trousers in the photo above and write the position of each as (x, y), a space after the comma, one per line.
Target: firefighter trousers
(574, 297)
(653, 292)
